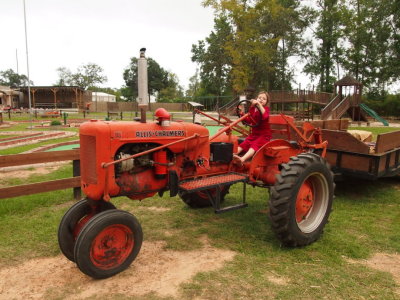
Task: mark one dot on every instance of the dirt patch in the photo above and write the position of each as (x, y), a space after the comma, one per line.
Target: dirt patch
(27, 173)
(278, 280)
(156, 209)
(383, 262)
(155, 270)
(387, 263)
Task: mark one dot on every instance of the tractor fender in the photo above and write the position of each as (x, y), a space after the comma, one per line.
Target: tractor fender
(265, 163)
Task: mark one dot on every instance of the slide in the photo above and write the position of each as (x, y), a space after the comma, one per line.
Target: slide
(373, 114)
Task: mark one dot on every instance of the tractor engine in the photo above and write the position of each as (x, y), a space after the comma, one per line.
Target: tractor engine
(158, 149)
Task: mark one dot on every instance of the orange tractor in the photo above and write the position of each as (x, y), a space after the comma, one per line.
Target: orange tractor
(140, 159)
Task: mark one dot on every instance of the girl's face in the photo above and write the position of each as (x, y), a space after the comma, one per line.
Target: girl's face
(262, 99)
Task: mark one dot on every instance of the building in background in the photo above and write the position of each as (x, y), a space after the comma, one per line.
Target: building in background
(103, 97)
(54, 97)
(9, 97)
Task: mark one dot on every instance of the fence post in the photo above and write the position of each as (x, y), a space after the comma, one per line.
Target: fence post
(76, 171)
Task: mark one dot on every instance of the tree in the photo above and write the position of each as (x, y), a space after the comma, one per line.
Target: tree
(10, 78)
(86, 76)
(172, 92)
(263, 37)
(215, 64)
(158, 80)
(329, 30)
(194, 85)
(64, 76)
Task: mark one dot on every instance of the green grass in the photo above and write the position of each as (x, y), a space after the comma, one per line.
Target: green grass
(376, 130)
(23, 148)
(365, 220)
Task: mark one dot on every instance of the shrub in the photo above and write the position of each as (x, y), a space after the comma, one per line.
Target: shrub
(55, 123)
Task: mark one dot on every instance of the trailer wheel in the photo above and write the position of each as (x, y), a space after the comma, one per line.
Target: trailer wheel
(301, 200)
(73, 221)
(200, 199)
(108, 243)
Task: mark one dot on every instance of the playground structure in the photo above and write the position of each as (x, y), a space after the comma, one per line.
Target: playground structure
(346, 101)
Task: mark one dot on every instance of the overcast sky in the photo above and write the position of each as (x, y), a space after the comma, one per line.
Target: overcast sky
(70, 33)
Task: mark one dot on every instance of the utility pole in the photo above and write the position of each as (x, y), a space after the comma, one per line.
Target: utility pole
(27, 66)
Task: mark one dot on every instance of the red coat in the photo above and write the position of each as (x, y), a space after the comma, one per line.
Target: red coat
(260, 134)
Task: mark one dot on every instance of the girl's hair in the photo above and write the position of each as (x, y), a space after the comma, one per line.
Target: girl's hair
(264, 92)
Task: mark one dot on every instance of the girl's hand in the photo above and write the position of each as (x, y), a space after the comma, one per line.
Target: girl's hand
(254, 102)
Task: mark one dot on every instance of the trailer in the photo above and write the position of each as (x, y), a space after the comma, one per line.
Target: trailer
(350, 157)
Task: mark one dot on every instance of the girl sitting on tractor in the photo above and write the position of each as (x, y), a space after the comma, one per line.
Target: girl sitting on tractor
(260, 134)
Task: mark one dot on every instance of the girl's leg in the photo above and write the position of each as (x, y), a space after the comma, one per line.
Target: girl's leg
(248, 154)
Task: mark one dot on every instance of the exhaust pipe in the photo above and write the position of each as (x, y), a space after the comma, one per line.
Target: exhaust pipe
(143, 96)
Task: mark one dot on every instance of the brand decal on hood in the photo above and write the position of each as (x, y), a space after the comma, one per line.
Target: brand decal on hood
(159, 133)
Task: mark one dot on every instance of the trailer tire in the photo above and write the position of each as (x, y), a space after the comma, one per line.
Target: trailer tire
(200, 199)
(301, 200)
(77, 215)
(108, 243)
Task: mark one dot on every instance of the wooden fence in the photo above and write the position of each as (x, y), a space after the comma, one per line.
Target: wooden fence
(133, 106)
(47, 186)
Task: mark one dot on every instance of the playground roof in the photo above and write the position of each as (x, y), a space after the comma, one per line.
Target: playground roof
(348, 81)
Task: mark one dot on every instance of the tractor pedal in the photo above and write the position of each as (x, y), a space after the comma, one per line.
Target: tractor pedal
(229, 208)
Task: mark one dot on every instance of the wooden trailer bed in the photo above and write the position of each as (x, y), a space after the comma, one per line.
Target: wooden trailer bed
(349, 156)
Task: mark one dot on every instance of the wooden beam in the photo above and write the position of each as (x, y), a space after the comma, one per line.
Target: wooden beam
(41, 187)
(55, 90)
(387, 141)
(38, 157)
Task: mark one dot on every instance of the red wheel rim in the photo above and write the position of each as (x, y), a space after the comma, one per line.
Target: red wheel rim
(78, 227)
(112, 246)
(305, 201)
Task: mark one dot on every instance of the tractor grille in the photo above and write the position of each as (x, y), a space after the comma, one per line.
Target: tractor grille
(88, 158)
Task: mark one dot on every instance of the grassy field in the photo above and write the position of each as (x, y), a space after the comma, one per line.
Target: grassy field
(365, 220)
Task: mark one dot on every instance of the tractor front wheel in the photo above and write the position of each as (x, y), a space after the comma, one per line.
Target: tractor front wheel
(200, 199)
(301, 200)
(73, 221)
(108, 243)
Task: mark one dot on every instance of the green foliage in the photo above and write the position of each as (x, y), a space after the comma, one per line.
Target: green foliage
(172, 91)
(370, 34)
(251, 44)
(86, 76)
(321, 62)
(55, 122)
(10, 78)
(388, 106)
(360, 37)
(214, 62)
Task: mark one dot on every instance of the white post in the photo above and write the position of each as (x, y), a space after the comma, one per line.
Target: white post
(27, 65)
(143, 95)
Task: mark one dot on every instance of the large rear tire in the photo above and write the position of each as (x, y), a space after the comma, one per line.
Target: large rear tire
(301, 200)
(73, 221)
(108, 243)
(200, 199)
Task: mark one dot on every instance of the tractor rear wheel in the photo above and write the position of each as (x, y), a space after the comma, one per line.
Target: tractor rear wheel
(301, 200)
(73, 221)
(108, 243)
(200, 199)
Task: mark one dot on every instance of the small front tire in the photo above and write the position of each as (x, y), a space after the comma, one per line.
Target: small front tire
(108, 244)
(73, 221)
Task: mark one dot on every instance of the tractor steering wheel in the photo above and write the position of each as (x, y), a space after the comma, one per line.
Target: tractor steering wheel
(240, 113)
